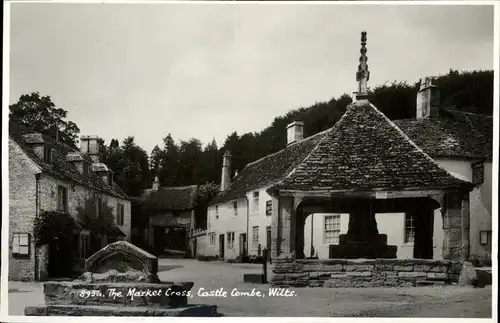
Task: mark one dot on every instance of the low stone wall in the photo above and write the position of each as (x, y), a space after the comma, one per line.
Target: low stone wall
(363, 272)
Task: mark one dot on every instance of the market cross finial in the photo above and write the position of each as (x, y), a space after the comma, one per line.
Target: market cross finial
(362, 75)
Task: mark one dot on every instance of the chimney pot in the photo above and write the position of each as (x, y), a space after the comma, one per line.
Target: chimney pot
(295, 132)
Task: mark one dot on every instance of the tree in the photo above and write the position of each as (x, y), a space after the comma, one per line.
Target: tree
(40, 114)
(169, 166)
(155, 160)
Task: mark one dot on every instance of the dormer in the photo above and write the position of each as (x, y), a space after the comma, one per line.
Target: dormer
(40, 148)
(103, 172)
(79, 162)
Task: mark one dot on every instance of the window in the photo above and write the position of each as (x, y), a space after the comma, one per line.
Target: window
(230, 240)
(409, 229)
(212, 239)
(235, 207)
(255, 237)
(269, 208)
(62, 199)
(216, 211)
(484, 237)
(47, 155)
(255, 202)
(331, 229)
(478, 174)
(21, 244)
(121, 214)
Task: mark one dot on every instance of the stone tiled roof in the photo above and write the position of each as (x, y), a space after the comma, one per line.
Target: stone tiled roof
(60, 166)
(175, 198)
(364, 151)
(454, 134)
(268, 170)
(367, 151)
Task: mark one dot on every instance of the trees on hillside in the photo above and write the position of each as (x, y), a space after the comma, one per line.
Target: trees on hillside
(40, 114)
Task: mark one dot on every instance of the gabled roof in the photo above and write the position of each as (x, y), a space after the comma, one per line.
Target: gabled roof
(176, 198)
(453, 134)
(364, 150)
(60, 166)
(268, 170)
(367, 151)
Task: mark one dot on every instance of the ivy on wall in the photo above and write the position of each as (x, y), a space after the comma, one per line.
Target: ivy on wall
(50, 224)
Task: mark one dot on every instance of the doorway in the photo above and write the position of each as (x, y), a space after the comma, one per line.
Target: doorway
(243, 244)
(221, 246)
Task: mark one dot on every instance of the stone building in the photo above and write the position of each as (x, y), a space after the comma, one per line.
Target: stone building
(367, 175)
(171, 218)
(47, 175)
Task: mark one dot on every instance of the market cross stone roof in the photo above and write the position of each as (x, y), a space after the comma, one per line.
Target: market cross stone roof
(60, 167)
(175, 198)
(365, 151)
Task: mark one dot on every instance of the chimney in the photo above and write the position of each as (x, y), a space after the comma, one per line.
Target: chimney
(295, 132)
(79, 162)
(156, 184)
(35, 140)
(226, 171)
(428, 100)
(90, 146)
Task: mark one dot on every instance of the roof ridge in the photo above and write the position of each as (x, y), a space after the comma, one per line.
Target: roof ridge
(468, 112)
(405, 136)
(295, 143)
(310, 152)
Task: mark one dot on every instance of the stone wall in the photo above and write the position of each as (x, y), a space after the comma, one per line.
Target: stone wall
(364, 272)
(77, 195)
(22, 209)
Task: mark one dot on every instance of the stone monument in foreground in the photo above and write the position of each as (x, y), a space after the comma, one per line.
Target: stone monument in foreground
(119, 280)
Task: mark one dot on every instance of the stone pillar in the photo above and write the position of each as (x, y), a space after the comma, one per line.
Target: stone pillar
(275, 228)
(362, 222)
(287, 223)
(452, 226)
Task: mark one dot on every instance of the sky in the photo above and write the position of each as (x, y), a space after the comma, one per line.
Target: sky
(206, 70)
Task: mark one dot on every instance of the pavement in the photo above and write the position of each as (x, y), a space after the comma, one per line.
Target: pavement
(442, 301)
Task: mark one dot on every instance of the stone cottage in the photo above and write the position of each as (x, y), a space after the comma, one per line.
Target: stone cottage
(397, 171)
(171, 218)
(47, 175)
